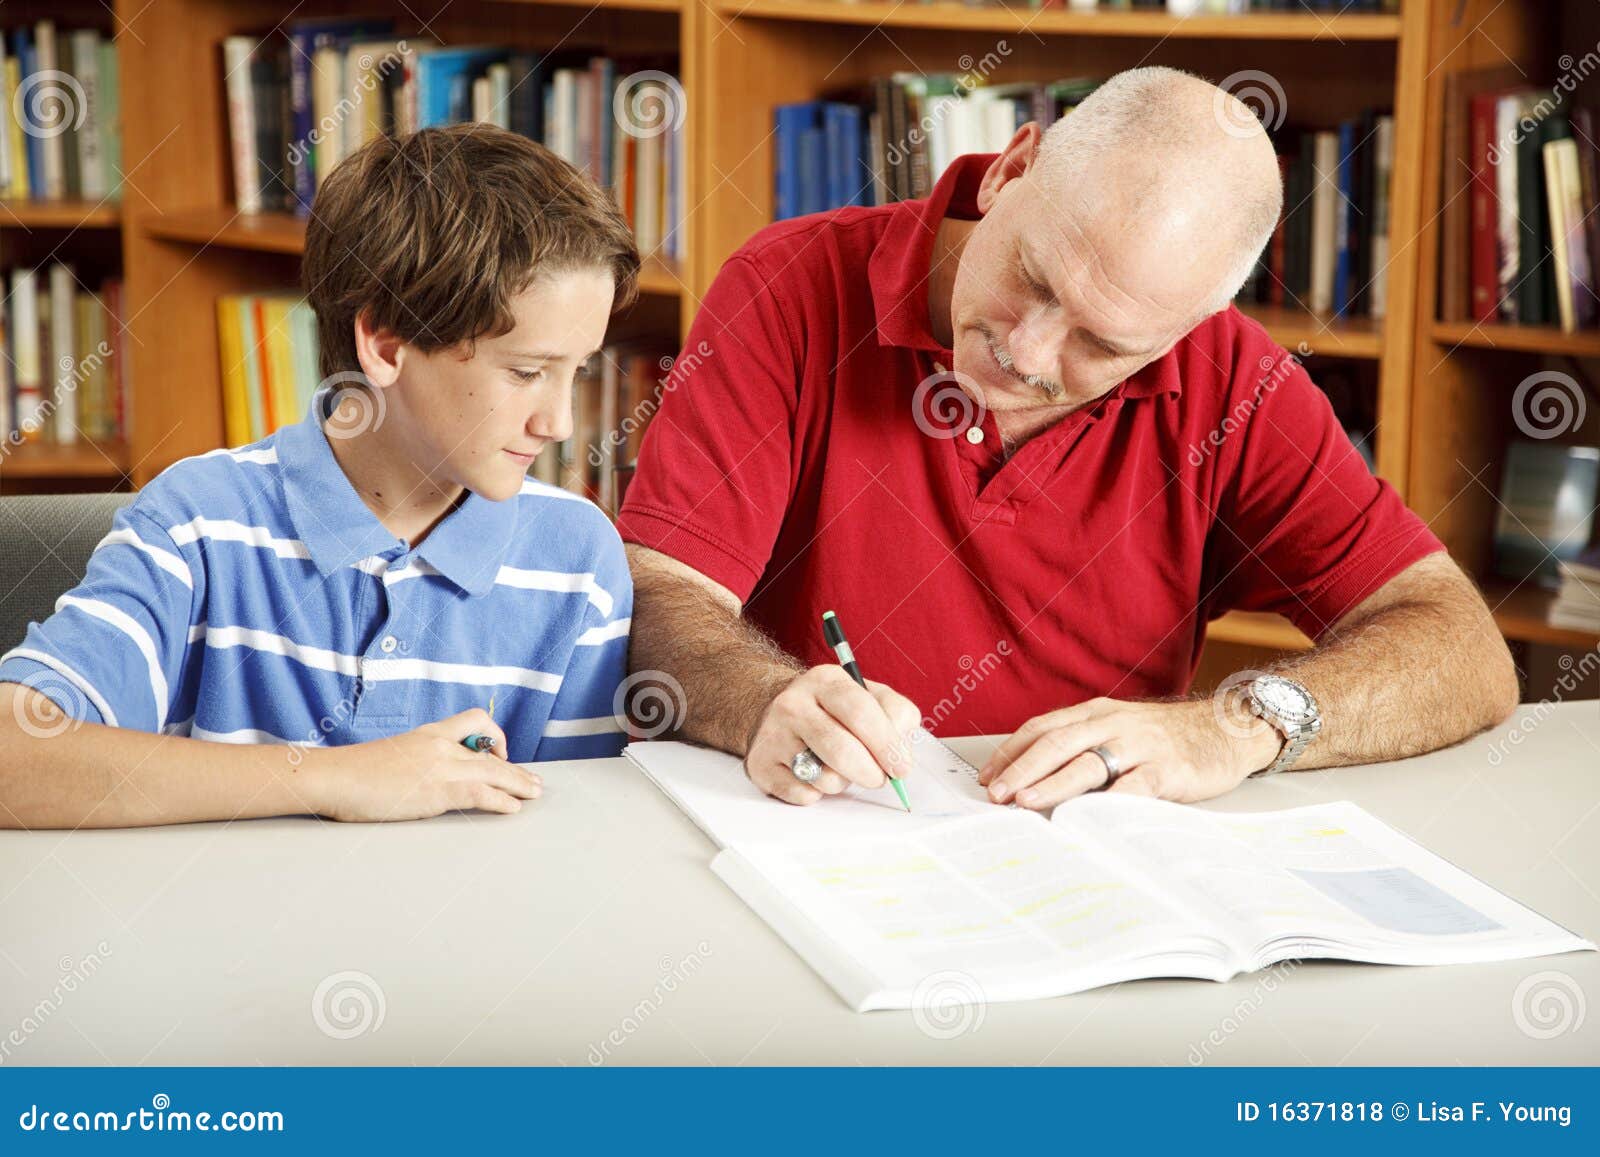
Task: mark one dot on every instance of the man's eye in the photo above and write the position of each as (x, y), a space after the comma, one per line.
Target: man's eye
(1035, 287)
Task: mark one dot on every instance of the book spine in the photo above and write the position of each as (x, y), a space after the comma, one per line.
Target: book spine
(63, 364)
(91, 161)
(236, 54)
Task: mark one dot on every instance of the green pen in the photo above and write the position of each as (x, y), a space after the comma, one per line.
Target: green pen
(834, 633)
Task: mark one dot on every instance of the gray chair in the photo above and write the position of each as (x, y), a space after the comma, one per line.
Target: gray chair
(45, 543)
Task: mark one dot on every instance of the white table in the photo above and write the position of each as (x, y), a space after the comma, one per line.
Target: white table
(589, 928)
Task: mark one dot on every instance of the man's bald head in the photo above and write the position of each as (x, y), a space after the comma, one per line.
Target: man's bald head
(1180, 168)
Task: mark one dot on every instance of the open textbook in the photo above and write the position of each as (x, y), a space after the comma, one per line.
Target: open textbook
(1111, 887)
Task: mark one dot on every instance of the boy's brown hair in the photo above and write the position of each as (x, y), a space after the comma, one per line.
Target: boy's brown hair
(432, 234)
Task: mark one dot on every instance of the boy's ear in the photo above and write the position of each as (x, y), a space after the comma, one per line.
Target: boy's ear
(380, 351)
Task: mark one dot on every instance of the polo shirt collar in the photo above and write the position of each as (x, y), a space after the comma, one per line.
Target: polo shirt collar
(467, 547)
(898, 272)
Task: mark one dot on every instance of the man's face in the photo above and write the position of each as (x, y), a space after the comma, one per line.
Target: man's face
(1058, 299)
(478, 416)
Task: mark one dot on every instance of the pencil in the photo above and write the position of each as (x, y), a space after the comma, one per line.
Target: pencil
(834, 633)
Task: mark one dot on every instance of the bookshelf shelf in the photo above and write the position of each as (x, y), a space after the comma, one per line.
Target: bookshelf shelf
(286, 233)
(1521, 612)
(621, 5)
(1047, 22)
(1535, 339)
(34, 460)
(1253, 629)
(59, 215)
(1323, 334)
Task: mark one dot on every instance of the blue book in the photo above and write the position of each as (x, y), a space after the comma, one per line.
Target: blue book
(27, 65)
(813, 170)
(305, 38)
(855, 179)
(792, 121)
(1342, 214)
(439, 72)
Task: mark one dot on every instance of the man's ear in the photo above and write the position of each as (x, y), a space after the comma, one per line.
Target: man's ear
(380, 351)
(1017, 159)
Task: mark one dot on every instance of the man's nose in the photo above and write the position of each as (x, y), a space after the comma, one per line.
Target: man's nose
(1035, 345)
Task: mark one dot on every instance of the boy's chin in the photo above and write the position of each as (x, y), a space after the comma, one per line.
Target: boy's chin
(497, 486)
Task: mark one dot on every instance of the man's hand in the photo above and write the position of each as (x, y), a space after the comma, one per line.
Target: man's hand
(859, 735)
(419, 774)
(1182, 751)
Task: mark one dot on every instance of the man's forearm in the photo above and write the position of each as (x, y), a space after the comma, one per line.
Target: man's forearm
(729, 671)
(1426, 669)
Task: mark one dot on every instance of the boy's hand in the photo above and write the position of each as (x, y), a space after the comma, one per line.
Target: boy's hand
(421, 773)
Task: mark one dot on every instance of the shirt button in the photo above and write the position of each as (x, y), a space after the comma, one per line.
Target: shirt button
(974, 434)
(389, 644)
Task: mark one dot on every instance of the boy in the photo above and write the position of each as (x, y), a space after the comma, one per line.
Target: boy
(361, 585)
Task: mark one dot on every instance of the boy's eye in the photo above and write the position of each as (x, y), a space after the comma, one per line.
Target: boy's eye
(527, 377)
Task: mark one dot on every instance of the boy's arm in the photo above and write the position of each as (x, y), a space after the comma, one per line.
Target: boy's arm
(57, 772)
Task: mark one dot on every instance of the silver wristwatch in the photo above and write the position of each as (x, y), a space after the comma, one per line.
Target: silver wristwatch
(1290, 708)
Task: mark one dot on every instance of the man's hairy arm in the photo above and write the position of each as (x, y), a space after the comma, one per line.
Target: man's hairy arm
(745, 696)
(690, 627)
(1416, 666)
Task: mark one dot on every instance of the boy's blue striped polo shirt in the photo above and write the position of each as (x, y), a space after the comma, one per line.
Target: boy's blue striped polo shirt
(249, 596)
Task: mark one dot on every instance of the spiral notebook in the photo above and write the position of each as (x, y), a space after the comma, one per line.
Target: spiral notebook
(1110, 888)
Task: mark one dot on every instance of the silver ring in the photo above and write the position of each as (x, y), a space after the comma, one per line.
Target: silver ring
(1113, 768)
(806, 766)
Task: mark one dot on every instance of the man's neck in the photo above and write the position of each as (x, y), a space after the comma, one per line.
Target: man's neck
(403, 498)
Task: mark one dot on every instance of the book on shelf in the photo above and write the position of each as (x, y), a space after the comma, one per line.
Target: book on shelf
(268, 348)
(61, 373)
(1546, 509)
(1520, 242)
(1110, 887)
(299, 103)
(1577, 602)
(61, 127)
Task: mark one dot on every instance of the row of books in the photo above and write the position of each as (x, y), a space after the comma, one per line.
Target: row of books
(1521, 238)
(62, 369)
(61, 124)
(616, 395)
(892, 139)
(268, 347)
(1577, 601)
(300, 103)
(1330, 250)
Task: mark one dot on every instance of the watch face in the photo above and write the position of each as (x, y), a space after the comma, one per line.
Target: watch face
(1282, 698)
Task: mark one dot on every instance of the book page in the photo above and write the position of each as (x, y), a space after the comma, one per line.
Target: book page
(1322, 876)
(1000, 897)
(713, 790)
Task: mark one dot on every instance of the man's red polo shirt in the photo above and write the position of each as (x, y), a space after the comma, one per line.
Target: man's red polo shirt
(787, 463)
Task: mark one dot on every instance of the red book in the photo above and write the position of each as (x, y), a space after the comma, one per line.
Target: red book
(1485, 212)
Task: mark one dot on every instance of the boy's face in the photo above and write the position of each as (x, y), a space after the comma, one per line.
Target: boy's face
(478, 419)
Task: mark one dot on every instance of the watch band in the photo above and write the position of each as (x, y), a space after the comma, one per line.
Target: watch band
(1290, 752)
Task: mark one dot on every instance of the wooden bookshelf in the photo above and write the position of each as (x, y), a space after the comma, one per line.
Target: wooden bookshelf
(952, 17)
(1251, 629)
(59, 214)
(1323, 334)
(1466, 373)
(45, 460)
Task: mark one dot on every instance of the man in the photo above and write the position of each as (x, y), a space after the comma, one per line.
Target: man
(1018, 438)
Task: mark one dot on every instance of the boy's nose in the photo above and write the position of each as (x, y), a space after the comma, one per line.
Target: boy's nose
(552, 422)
